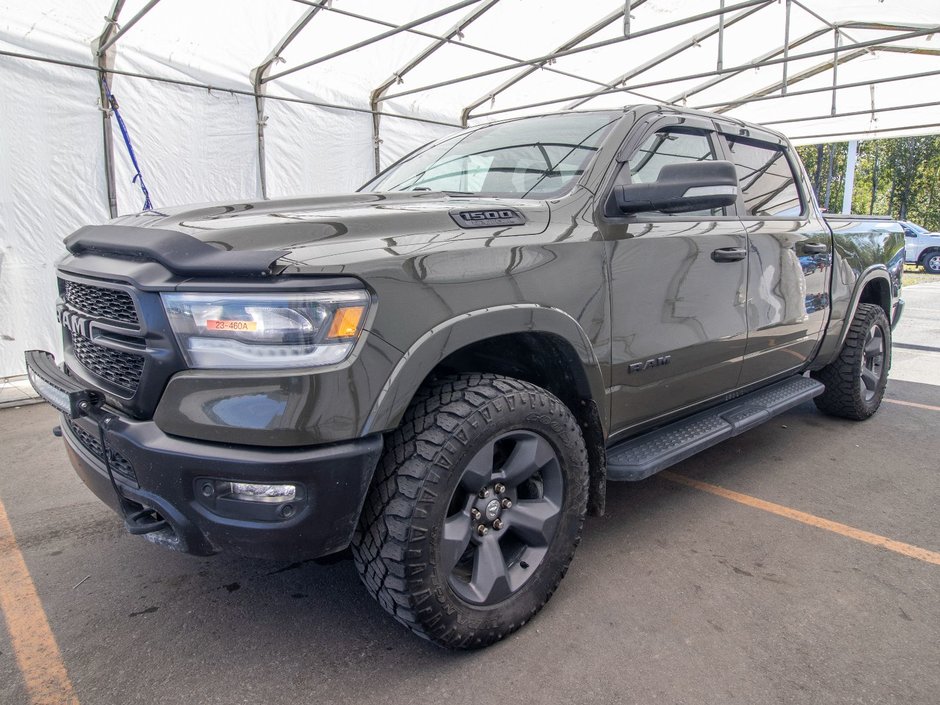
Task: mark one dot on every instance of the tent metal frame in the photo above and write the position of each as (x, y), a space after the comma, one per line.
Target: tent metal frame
(845, 48)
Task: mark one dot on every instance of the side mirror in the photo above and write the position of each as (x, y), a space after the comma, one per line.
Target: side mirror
(682, 188)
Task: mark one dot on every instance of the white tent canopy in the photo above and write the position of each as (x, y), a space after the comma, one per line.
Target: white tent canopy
(241, 99)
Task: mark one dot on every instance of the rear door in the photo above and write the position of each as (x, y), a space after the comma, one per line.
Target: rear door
(678, 320)
(789, 260)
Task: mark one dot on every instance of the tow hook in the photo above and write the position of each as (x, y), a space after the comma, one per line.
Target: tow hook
(145, 521)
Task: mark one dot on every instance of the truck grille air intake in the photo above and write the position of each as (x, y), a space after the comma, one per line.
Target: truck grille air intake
(100, 302)
(120, 368)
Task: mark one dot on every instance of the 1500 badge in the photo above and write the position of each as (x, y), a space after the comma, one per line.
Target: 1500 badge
(496, 218)
(647, 364)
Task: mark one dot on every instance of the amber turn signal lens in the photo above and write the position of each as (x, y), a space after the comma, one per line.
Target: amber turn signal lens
(346, 322)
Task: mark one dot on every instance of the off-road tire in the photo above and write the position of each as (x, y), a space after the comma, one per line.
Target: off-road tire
(843, 396)
(395, 547)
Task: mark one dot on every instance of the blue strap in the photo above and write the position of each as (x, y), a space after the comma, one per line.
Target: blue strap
(138, 177)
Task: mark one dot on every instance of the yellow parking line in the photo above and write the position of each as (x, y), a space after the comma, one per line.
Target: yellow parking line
(37, 654)
(905, 549)
(912, 403)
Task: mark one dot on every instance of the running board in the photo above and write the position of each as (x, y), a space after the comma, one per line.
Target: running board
(645, 455)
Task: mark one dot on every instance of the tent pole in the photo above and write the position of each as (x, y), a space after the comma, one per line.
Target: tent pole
(257, 83)
(722, 77)
(786, 48)
(666, 55)
(105, 61)
(127, 25)
(835, 70)
(397, 76)
(850, 161)
(581, 36)
(721, 36)
(372, 40)
(802, 76)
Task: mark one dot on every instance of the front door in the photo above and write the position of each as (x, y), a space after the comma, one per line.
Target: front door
(678, 288)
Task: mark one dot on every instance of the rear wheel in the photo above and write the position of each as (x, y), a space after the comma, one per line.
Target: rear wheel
(475, 510)
(931, 262)
(856, 380)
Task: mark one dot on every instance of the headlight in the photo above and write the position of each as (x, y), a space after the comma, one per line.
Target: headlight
(251, 331)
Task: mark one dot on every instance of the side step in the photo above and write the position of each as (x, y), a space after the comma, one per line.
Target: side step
(645, 455)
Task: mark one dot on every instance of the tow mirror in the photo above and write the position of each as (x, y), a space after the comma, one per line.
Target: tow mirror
(682, 188)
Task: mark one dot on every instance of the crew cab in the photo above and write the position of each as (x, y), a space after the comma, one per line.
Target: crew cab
(443, 370)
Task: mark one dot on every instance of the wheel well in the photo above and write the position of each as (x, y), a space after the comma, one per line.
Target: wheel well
(877, 292)
(550, 362)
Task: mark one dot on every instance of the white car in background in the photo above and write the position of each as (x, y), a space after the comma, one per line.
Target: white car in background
(921, 247)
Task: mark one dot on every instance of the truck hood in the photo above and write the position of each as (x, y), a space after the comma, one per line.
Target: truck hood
(332, 233)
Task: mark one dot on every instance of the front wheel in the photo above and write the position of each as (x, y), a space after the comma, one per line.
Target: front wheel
(856, 380)
(475, 510)
(931, 263)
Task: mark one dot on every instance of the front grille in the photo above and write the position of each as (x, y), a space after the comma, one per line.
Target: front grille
(101, 302)
(115, 366)
(92, 444)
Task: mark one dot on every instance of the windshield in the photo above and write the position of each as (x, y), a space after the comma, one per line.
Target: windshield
(536, 157)
(916, 228)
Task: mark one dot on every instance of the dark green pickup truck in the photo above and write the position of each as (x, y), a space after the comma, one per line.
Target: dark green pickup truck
(444, 369)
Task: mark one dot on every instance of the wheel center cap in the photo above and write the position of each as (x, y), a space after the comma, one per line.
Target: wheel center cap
(492, 509)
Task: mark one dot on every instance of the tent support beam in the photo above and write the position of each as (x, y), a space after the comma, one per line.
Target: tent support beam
(438, 37)
(585, 47)
(832, 64)
(398, 75)
(127, 26)
(105, 61)
(665, 56)
(826, 89)
(706, 74)
(581, 36)
(221, 89)
(257, 83)
(372, 40)
(721, 78)
(900, 128)
(855, 113)
(785, 50)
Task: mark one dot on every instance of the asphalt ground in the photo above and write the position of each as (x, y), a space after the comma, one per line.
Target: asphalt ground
(760, 571)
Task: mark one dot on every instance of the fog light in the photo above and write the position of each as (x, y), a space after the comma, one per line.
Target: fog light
(253, 492)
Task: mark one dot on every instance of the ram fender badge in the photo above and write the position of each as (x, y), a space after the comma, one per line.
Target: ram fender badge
(647, 364)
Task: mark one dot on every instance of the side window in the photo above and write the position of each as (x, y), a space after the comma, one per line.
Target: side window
(766, 178)
(672, 146)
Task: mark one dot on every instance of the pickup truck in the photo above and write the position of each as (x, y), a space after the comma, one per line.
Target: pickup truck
(922, 248)
(443, 370)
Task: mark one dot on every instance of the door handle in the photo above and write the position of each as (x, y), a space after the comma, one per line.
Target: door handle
(729, 254)
(814, 248)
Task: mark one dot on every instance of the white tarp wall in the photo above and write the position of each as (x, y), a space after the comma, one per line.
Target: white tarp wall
(196, 144)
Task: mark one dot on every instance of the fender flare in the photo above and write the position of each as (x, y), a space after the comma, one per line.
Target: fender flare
(872, 273)
(472, 327)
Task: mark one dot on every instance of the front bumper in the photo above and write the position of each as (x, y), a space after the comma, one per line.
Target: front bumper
(169, 475)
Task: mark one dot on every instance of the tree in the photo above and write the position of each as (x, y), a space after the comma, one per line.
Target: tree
(895, 177)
